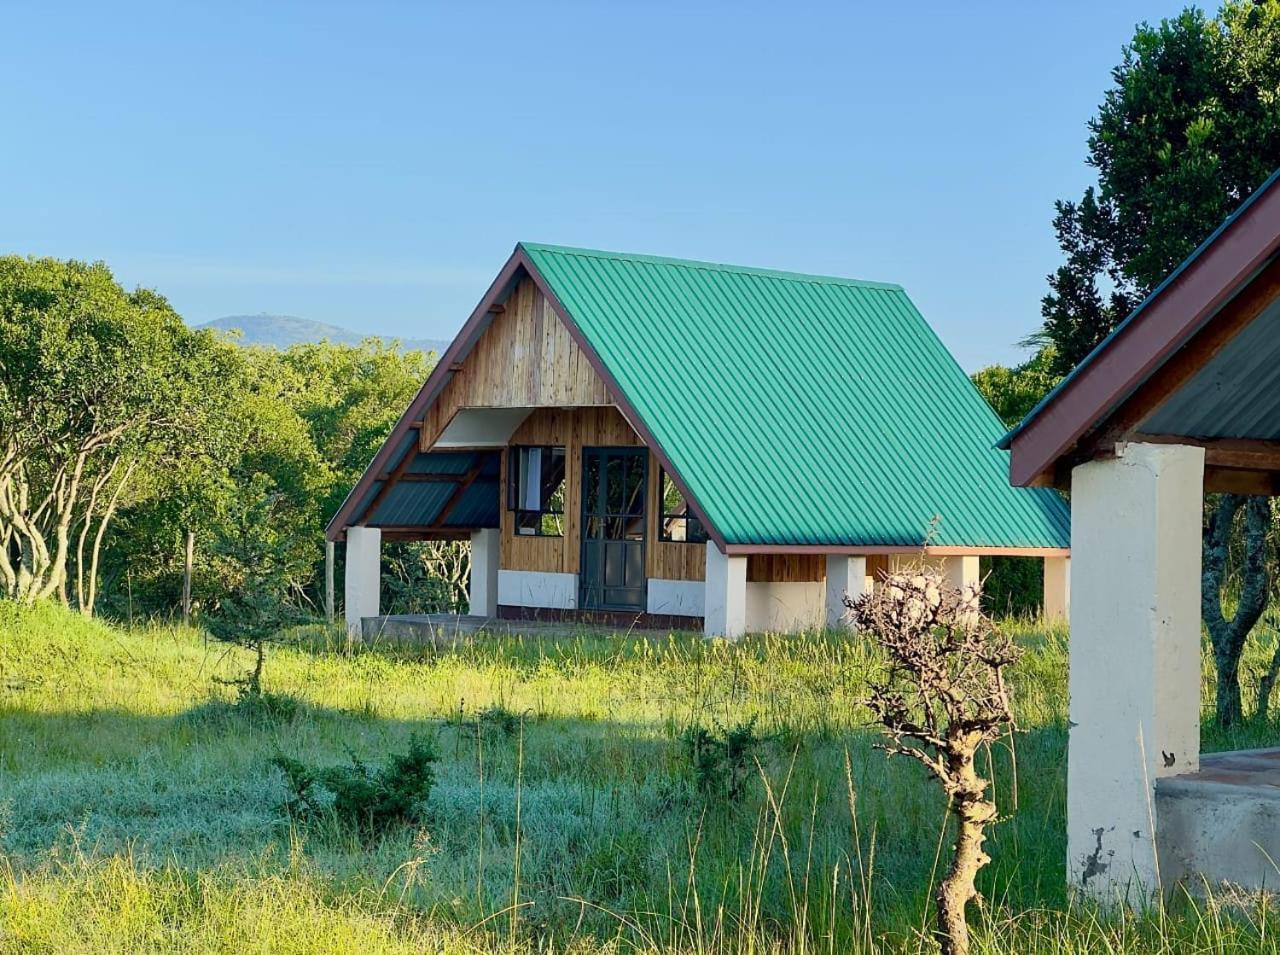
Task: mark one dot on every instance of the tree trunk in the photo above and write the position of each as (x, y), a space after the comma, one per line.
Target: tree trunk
(973, 814)
(1228, 636)
(188, 562)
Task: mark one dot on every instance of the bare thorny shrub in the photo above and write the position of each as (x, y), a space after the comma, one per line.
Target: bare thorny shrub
(942, 699)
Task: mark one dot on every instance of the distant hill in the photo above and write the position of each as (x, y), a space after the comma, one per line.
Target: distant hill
(281, 331)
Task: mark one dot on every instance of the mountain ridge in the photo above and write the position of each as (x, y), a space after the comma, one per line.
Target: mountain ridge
(281, 331)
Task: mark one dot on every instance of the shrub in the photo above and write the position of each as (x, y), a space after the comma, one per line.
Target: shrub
(361, 797)
(722, 760)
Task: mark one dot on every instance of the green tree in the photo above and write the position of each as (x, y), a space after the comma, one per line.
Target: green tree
(1013, 392)
(97, 386)
(1189, 128)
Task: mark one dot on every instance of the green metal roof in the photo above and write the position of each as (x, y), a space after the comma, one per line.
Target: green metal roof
(801, 409)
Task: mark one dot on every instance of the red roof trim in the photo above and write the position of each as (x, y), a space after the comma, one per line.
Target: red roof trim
(1166, 323)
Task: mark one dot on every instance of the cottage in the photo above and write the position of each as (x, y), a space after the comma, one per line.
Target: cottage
(695, 446)
(1180, 400)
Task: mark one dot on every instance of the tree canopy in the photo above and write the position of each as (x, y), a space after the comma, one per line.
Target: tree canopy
(1190, 127)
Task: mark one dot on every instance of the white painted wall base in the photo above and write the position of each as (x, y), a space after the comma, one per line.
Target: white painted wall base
(483, 592)
(962, 571)
(1135, 658)
(532, 588)
(1057, 589)
(785, 606)
(363, 578)
(725, 600)
(846, 577)
(680, 597)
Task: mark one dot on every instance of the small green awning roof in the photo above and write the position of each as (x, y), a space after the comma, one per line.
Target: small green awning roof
(800, 409)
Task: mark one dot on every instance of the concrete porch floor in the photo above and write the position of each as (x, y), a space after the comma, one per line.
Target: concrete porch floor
(441, 629)
(1222, 824)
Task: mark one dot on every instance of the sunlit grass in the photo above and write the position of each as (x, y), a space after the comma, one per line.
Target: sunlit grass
(139, 813)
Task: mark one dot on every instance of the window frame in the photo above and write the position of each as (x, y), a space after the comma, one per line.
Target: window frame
(688, 516)
(520, 515)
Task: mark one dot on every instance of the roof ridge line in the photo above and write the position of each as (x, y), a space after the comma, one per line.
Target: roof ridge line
(782, 274)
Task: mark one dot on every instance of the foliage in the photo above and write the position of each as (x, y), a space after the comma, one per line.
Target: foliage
(722, 760)
(942, 699)
(97, 386)
(360, 797)
(1013, 392)
(1190, 127)
(1228, 636)
(1012, 586)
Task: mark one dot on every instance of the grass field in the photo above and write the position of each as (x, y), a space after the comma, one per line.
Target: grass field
(139, 811)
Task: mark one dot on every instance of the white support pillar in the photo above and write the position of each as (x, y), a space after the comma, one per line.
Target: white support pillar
(363, 575)
(725, 602)
(483, 593)
(845, 576)
(962, 571)
(1135, 658)
(1057, 589)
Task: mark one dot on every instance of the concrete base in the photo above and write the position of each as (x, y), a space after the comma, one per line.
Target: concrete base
(483, 593)
(1135, 659)
(846, 577)
(679, 597)
(1221, 824)
(363, 583)
(532, 588)
(784, 606)
(1057, 589)
(725, 601)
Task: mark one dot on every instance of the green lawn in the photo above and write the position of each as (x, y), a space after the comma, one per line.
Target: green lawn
(139, 812)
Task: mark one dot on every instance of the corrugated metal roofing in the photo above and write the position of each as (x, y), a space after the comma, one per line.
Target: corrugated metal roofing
(410, 503)
(801, 409)
(1236, 394)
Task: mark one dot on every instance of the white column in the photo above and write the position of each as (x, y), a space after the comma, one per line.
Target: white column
(725, 604)
(363, 575)
(483, 594)
(1135, 658)
(1057, 589)
(845, 576)
(962, 571)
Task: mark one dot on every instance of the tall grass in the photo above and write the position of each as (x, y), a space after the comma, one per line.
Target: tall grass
(139, 811)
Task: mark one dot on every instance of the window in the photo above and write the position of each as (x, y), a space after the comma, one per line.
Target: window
(678, 522)
(535, 490)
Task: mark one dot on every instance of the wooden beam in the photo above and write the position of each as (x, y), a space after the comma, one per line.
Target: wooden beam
(388, 482)
(1236, 481)
(456, 496)
(1233, 454)
(416, 476)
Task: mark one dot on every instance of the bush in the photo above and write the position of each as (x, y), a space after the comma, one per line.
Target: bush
(722, 760)
(360, 797)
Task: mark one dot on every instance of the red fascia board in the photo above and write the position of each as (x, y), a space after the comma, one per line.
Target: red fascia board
(439, 377)
(1166, 324)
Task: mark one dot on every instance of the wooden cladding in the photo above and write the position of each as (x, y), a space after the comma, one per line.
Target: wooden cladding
(525, 359)
(778, 568)
(571, 429)
(574, 429)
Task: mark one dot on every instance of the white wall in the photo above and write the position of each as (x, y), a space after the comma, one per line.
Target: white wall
(533, 588)
(680, 597)
(785, 606)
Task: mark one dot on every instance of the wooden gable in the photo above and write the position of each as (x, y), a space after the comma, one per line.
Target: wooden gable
(526, 358)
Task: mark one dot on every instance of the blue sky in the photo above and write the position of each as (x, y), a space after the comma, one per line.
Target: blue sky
(372, 165)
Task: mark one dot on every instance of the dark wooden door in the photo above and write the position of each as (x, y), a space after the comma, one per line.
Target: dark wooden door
(613, 528)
